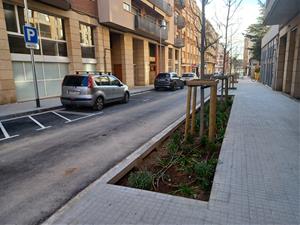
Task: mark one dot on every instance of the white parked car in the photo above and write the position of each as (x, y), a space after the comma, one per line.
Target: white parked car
(188, 76)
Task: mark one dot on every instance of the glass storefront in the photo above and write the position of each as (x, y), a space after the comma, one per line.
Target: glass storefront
(52, 43)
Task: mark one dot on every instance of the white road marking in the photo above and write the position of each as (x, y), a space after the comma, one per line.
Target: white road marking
(140, 93)
(74, 113)
(65, 118)
(42, 127)
(6, 135)
(84, 117)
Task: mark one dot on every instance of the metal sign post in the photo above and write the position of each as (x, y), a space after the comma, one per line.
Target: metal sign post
(32, 42)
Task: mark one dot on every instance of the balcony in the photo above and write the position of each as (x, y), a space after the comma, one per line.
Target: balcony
(61, 4)
(180, 21)
(163, 5)
(148, 28)
(180, 4)
(279, 12)
(179, 42)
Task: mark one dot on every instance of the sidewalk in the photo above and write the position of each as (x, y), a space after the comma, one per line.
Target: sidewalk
(24, 108)
(256, 182)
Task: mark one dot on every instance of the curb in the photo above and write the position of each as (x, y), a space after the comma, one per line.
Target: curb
(13, 115)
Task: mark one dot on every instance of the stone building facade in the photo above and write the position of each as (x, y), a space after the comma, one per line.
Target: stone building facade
(133, 39)
(286, 60)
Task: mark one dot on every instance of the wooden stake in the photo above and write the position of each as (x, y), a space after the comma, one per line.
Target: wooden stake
(202, 112)
(188, 110)
(212, 113)
(222, 88)
(194, 110)
(226, 89)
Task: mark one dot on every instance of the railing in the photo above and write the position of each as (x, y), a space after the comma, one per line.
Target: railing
(180, 4)
(179, 42)
(180, 21)
(163, 5)
(145, 25)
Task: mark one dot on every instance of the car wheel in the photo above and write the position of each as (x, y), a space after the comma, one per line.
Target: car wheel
(182, 86)
(174, 87)
(126, 97)
(99, 104)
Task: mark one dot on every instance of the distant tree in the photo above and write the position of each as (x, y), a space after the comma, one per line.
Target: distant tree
(256, 31)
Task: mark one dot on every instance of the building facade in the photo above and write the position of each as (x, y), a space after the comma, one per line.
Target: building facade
(190, 52)
(285, 46)
(211, 53)
(269, 55)
(133, 39)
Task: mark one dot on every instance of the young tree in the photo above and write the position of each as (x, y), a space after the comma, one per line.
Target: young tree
(256, 31)
(232, 7)
(204, 33)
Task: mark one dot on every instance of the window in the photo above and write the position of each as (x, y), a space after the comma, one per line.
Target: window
(126, 6)
(176, 54)
(102, 80)
(87, 41)
(114, 81)
(50, 28)
(10, 17)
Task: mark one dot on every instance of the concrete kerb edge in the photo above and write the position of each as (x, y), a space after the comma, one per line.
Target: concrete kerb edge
(125, 164)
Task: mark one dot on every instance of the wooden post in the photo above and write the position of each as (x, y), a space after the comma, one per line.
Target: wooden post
(212, 113)
(188, 110)
(226, 88)
(202, 112)
(194, 105)
(232, 80)
(222, 88)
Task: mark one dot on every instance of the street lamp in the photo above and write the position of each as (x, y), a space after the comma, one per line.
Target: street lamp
(163, 25)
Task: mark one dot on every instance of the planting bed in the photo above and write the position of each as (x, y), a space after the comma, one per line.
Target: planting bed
(182, 168)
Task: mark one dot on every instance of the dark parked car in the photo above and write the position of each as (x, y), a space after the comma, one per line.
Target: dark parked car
(168, 80)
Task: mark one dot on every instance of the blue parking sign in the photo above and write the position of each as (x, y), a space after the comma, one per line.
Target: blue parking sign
(31, 37)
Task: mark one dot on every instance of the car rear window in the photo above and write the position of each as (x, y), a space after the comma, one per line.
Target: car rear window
(163, 75)
(187, 75)
(75, 80)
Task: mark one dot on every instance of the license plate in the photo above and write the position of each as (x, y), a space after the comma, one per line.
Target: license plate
(74, 92)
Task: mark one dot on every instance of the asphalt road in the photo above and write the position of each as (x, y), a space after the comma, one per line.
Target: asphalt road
(42, 169)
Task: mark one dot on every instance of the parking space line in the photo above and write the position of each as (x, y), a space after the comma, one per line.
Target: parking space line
(65, 118)
(42, 127)
(74, 113)
(6, 135)
(84, 117)
(134, 94)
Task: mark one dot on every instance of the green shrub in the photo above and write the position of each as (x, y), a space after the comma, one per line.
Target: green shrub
(190, 139)
(204, 172)
(141, 179)
(211, 147)
(204, 140)
(185, 190)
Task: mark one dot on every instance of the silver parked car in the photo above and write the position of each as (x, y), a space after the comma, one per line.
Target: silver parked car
(188, 76)
(93, 90)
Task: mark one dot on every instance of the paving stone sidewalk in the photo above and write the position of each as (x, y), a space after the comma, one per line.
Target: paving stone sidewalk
(23, 108)
(256, 182)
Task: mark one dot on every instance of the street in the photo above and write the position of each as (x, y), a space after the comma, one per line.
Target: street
(42, 169)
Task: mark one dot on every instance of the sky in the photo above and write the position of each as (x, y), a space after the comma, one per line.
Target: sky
(244, 16)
